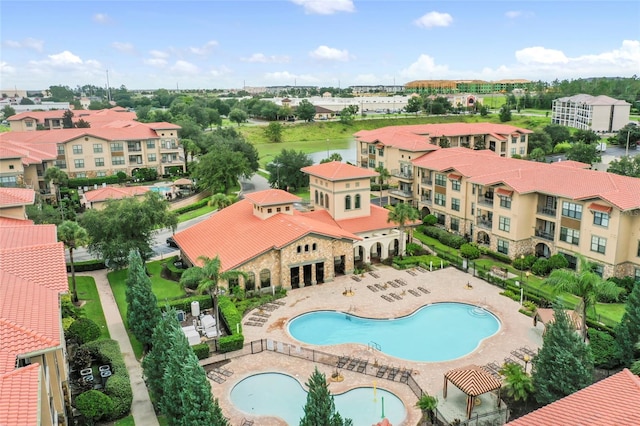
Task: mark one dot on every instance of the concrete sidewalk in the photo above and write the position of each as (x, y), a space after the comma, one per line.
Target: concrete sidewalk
(141, 408)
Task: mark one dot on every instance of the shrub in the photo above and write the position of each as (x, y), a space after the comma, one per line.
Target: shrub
(469, 251)
(195, 206)
(230, 343)
(446, 238)
(603, 348)
(89, 265)
(511, 295)
(430, 220)
(94, 406)
(557, 261)
(413, 248)
(83, 330)
(201, 350)
(66, 323)
(230, 313)
(498, 256)
(184, 304)
(562, 147)
(68, 309)
(541, 267)
(82, 182)
(411, 261)
(81, 358)
(529, 305)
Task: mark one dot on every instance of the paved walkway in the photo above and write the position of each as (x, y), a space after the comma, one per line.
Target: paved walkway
(141, 408)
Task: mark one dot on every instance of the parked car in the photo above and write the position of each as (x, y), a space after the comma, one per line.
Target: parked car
(171, 242)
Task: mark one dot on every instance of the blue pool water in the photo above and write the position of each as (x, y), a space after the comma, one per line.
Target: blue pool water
(280, 395)
(161, 189)
(436, 332)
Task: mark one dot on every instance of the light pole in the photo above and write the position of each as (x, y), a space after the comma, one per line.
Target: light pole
(626, 152)
(522, 266)
(526, 360)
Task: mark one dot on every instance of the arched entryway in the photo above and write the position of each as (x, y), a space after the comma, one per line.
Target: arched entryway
(394, 247)
(358, 256)
(543, 250)
(425, 212)
(376, 253)
(483, 238)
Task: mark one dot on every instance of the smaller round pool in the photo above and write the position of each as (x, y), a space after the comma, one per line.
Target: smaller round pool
(280, 395)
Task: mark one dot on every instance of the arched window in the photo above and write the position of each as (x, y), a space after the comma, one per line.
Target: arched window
(316, 196)
(233, 284)
(250, 281)
(321, 200)
(306, 248)
(326, 200)
(314, 247)
(357, 201)
(347, 202)
(299, 249)
(265, 278)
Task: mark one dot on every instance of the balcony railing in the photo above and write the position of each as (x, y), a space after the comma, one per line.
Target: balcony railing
(402, 174)
(426, 181)
(364, 151)
(547, 211)
(166, 147)
(484, 201)
(134, 149)
(401, 193)
(426, 199)
(544, 234)
(484, 223)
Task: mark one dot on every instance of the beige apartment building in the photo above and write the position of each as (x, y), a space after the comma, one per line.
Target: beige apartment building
(601, 114)
(30, 121)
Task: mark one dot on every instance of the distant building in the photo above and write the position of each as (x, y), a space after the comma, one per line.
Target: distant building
(97, 198)
(469, 86)
(601, 114)
(379, 88)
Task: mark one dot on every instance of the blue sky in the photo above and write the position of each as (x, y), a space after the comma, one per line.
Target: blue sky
(228, 44)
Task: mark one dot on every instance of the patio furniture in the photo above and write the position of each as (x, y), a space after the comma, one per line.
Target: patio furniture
(518, 355)
(395, 296)
(473, 381)
(415, 293)
(374, 275)
(387, 298)
(382, 371)
(421, 269)
(410, 272)
(404, 376)
(393, 372)
(352, 364)
(362, 366)
(400, 281)
(355, 278)
(342, 361)
(393, 284)
(279, 302)
(380, 287)
(223, 371)
(216, 378)
(372, 288)
(424, 290)
(527, 350)
(262, 314)
(246, 422)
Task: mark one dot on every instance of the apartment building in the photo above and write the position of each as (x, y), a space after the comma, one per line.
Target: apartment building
(518, 207)
(601, 114)
(34, 376)
(52, 120)
(117, 146)
(396, 147)
(23, 164)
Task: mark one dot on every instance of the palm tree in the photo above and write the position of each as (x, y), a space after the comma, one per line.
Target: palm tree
(220, 201)
(401, 214)
(207, 278)
(58, 178)
(518, 384)
(72, 236)
(383, 176)
(428, 403)
(585, 284)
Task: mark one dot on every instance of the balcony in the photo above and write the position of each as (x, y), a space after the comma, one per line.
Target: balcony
(168, 147)
(484, 223)
(398, 193)
(402, 174)
(544, 234)
(134, 149)
(364, 164)
(364, 151)
(426, 199)
(485, 201)
(426, 181)
(547, 211)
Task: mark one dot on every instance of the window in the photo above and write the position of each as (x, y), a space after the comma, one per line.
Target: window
(250, 281)
(372, 164)
(505, 202)
(601, 219)
(269, 210)
(81, 175)
(572, 260)
(152, 145)
(79, 163)
(455, 224)
(8, 181)
(441, 218)
(571, 210)
(357, 201)
(504, 224)
(522, 150)
(598, 244)
(306, 248)
(513, 151)
(29, 123)
(638, 252)
(77, 149)
(381, 152)
(116, 147)
(60, 149)
(61, 164)
(151, 158)
(97, 148)
(347, 202)
(455, 204)
(316, 196)
(299, 249)
(441, 180)
(637, 274)
(101, 174)
(440, 199)
(117, 160)
(265, 278)
(514, 139)
(522, 138)
(99, 161)
(597, 269)
(455, 185)
(381, 164)
(571, 236)
(503, 246)
(372, 149)
(326, 200)
(314, 246)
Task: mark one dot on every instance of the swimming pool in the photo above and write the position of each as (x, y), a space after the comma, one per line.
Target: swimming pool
(277, 394)
(161, 189)
(436, 332)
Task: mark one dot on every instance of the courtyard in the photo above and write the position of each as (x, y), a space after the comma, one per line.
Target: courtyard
(354, 295)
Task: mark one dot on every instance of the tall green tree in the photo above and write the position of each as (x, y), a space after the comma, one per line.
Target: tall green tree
(630, 133)
(154, 364)
(220, 169)
(584, 153)
(305, 110)
(72, 235)
(401, 214)
(383, 177)
(414, 104)
(625, 166)
(273, 132)
(518, 384)
(238, 116)
(628, 331)
(505, 113)
(586, 136)
(284, 170)
(58, 179)
(220, 201)
(564, 364)
(207, 277)
(557, 133)
(585, 284)
(539, 139)
(67, 119)
(143, 314)
(8, 111)
(320, 409)
(125, 225)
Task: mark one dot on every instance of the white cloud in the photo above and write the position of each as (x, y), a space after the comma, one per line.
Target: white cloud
(513, 14)
(424, 68)
(124, 47)
(220, 71)
(330, 54)
(205, 49)
(156, 62)
(367, 79)
(5, 68)
(184, 67)
(325, 7)
(27, 43)
(434, 19)
(102, 18)
(540, 55)
(262, 58)
(158, 54)
(285, 77)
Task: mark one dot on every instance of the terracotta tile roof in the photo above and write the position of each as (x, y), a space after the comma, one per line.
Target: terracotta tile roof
(397, 137)
(600, 208)
(41, 264)
(27, 236)
(270, 197)
(19, 396)
(114, 193)
(571, 163)
(236, 235)
(614, 401)
(38, 115)
(487, 168)
(336, 170)
(29, 153)
(377, 220)
(10, 197)
(9, 221)
(473, 380)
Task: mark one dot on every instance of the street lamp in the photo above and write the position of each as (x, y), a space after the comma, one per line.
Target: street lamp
(526, 360)
(521, 265)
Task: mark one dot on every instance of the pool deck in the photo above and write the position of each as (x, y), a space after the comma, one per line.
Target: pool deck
(447, 285)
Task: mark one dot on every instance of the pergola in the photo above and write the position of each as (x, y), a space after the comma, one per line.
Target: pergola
(473, 381)
(547, 316)
(183, 182)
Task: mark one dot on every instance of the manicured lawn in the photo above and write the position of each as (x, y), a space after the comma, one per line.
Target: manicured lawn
(195, 213)
(92, 308)
(127, 421)
(163, 289)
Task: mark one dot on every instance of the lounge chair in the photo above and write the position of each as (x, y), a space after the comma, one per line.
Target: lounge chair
(527, 350)
(382, 371)
(387, 298)
(353, 363)
(410, 272)
(424, 290)
(372, 288)
(395, 296)
(362, 366)
(415, 293)
(404, 376)
(342, 361)
(216, 378)
(393, 372)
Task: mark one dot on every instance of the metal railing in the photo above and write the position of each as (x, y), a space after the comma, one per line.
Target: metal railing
(547, 211)
(544, 234)
(426, 181)
(400, 193)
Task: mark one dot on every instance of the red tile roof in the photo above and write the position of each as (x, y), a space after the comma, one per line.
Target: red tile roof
(38, 115)
(487, 168)
(19, 396)
(42, 264)
(29, 153)
(269, 197)
(11, 197)
(614, 401)
(571, 163)
(114, 193)
(27, 236)
(335, 171)
(95, 117)
(9, 221)
(376, 221)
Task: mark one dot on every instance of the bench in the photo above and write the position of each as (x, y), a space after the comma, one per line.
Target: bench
(499, 272)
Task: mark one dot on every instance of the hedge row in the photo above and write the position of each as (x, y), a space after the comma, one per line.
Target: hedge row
(170, 271)
(411, 261)
(201, 350)
(118, 386)
(497, 256)
(82, 182)
(233, 318)
(446, 238)
(191, 207)
(184, 304)
(88, 265)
